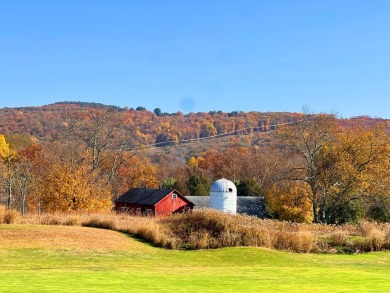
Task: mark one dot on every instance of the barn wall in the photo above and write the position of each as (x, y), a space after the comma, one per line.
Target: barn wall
(134, 208)
(169, 205)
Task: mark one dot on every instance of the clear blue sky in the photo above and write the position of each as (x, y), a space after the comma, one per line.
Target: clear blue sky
(271, 55)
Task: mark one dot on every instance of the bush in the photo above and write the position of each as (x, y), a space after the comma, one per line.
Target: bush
(51, 220)
(376, 239)
(2, 212)
(72, 221)
(11, 216)
(100, 223)
(339, 238)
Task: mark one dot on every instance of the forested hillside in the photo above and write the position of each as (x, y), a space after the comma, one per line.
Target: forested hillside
(147, 127)
(79, 156)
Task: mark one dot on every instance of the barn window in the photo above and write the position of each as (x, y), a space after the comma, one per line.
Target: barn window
(174, 195)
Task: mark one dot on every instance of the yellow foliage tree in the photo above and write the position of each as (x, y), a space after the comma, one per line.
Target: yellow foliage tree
(9, 158)
(290, 201)
(68, 188)
(358, 170)
(192, 162)
(4, 147)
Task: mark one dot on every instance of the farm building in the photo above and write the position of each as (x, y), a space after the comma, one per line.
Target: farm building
(223, 196)
(156, 202)
(248, 205)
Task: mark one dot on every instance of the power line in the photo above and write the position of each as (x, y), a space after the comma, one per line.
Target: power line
(174, 143)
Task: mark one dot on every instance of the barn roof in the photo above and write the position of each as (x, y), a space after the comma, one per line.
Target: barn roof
(144, 196)
(249, 205)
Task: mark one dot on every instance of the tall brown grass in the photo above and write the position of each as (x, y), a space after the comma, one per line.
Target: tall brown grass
(207, 228)
(8, 216)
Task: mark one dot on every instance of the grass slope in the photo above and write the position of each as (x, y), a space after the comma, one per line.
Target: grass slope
(78, 259)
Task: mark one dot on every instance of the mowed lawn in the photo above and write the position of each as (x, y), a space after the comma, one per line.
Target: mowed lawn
(79, 259)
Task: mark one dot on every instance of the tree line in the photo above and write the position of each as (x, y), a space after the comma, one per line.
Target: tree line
(317, 170)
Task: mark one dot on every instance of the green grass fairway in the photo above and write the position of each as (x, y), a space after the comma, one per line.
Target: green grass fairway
(78, 259)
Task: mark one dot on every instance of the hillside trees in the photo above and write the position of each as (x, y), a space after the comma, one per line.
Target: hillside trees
(52, 177)
(253, 170)
(321, 168)
(167, 132)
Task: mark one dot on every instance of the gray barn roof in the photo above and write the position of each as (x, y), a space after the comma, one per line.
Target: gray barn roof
(249, 205)
(144, 196)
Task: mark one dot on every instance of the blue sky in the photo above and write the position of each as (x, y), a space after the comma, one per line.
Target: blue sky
(190, 56)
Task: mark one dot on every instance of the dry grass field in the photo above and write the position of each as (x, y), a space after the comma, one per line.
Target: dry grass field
(205, 229)
(64, 238)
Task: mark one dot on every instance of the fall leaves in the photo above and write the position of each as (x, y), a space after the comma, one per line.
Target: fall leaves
(318, 169)
(344, 171)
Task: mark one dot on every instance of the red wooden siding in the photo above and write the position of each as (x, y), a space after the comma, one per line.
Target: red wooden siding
(169, 204)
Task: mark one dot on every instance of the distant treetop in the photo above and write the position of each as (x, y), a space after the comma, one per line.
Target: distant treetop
(90, 104)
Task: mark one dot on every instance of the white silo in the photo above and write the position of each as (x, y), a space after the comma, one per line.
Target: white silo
(223, 196)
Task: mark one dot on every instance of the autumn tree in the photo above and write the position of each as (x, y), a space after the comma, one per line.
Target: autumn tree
(9, 158)
(304, 141)
(68, 188)
(207, 129)
(344, 169)
(107, 145)
(70, 184)
(137, 171)
(4, 147)
(167, 133)
(290, 201)
(356, 173)
(30, 168)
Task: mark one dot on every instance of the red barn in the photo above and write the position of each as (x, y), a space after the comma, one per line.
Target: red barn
(156, 202)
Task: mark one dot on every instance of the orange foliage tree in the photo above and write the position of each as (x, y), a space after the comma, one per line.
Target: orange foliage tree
(69, 188)
(290, 201)
(69, 183)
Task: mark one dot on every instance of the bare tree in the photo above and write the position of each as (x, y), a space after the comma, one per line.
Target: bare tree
(305, 141)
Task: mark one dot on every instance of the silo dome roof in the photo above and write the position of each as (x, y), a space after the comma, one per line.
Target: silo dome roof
(223, 185)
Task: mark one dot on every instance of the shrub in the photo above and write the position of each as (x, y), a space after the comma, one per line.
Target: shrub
(99, 223)
(2, 212)
(376, 239)
(72, 221)
(339, 238)
(50, 219)
(11, 216)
